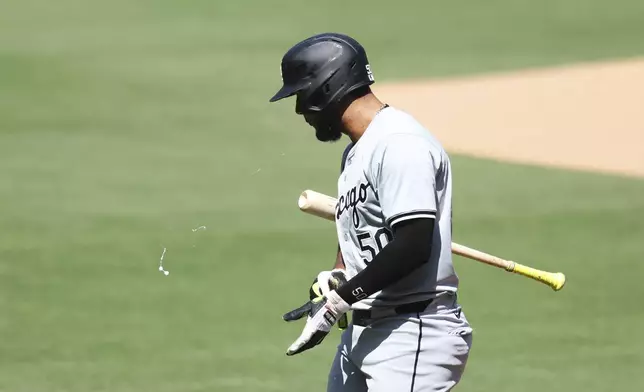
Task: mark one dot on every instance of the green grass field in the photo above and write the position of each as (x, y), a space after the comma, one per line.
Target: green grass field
(126, 124)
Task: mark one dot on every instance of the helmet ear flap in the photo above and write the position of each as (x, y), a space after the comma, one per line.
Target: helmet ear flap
(317, 100)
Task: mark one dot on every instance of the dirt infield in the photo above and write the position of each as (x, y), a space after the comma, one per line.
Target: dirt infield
(584, 117)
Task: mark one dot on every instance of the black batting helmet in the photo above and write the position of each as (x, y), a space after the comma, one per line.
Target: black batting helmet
(321, 70)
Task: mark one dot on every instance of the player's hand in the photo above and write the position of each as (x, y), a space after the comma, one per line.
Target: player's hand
(322, 313)
(327, 281)
(331, 280)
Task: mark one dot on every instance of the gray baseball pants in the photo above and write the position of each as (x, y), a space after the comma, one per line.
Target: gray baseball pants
(417, 352)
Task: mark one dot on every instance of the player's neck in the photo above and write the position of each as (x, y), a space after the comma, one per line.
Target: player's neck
(359, 114)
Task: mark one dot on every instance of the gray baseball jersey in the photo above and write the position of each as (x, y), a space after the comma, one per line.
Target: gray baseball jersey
(396, 171)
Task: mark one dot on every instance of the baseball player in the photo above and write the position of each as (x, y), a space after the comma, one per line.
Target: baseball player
(393, 218)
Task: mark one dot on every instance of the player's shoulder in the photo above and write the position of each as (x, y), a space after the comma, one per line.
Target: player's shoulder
(400, 128)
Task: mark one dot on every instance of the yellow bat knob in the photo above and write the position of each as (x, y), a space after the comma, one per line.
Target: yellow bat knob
(558, 281)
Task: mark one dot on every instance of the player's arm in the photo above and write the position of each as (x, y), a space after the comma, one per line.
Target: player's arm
(327, 281)
(403, 174)
(330, 280)
(339, 261)
(409, 249)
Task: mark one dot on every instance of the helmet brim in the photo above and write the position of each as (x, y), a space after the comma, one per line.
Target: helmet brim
(284, 92)
(288, 90)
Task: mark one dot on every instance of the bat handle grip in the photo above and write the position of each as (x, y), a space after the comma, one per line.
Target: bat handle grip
(555, 280)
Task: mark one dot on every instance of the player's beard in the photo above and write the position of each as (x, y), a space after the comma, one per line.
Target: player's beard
(328, 133)
(325, 130)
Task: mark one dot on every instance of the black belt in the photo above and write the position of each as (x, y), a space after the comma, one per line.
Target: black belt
(364, 317)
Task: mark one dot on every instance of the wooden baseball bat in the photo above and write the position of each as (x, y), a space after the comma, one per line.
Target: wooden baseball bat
(323, 206)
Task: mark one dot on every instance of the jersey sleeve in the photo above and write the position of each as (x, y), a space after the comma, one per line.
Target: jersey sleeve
(403, 174)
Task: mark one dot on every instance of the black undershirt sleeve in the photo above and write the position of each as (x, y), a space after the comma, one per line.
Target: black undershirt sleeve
(409, 249)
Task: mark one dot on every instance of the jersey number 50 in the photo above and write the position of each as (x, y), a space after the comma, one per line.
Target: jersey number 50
(366, 241)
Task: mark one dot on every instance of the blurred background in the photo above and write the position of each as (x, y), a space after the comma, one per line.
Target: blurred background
(125, 126)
